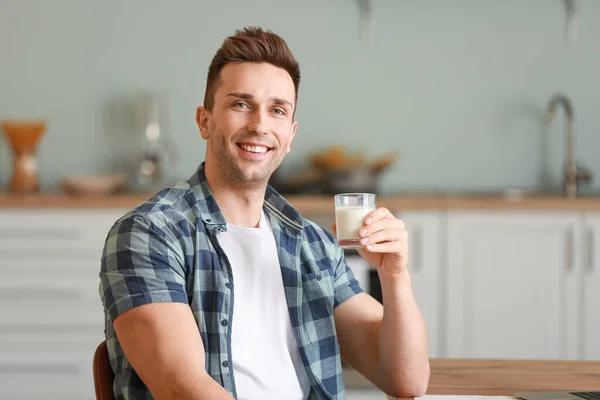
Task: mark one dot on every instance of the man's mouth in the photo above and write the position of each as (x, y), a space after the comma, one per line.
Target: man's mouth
(253, 148)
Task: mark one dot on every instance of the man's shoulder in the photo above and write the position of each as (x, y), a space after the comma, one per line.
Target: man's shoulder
(320, 244)
(167, 209)
(315, 232)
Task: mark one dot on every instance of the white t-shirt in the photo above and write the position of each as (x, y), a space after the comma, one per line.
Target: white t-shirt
(266, 361)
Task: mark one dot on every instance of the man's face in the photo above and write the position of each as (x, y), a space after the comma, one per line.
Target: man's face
(250, 128)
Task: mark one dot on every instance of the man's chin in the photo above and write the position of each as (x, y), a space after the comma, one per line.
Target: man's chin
(250, 174)
(251, 178)
(257, 180)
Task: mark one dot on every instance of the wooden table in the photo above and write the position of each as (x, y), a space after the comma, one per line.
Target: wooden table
(505, 377)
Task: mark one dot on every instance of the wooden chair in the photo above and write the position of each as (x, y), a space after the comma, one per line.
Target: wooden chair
(103, 374)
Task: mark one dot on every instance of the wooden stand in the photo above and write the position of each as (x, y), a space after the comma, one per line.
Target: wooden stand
(23, 138)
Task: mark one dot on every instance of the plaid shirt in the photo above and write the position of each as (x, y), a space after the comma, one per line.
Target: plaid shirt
(166, 250)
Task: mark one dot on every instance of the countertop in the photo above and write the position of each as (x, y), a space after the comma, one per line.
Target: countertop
(324, 204)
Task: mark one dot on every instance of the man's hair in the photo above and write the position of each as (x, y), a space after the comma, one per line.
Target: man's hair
(250, 45)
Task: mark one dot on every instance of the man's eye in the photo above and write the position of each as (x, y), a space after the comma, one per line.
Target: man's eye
(279, 111)
(239, 105)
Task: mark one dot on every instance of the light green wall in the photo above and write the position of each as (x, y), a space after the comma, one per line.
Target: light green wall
(458, 86)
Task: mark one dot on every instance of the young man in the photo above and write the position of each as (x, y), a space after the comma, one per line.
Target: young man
(217, 288)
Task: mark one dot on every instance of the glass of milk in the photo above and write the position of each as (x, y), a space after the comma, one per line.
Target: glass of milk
(350, 212)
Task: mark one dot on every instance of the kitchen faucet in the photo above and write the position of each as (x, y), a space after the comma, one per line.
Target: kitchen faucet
(573, 173)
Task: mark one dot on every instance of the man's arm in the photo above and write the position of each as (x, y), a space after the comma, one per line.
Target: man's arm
(143, 289)
(162, 342)
(386, 344)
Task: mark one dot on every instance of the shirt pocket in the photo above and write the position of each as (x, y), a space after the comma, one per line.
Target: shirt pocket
(317, 307)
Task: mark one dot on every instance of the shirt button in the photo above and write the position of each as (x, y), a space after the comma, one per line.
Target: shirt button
(318, 277)
(224, 322)
(225, 364)
(228, 285)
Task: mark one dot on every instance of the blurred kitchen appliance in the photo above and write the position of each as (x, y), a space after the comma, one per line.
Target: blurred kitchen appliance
(359, 180)
(23, 138)
(157, 150)
(374, 285)
(341, 171)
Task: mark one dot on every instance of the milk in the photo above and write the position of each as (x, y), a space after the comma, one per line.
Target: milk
(349, 219)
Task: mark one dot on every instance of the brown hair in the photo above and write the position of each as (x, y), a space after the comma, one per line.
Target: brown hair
(250, 45)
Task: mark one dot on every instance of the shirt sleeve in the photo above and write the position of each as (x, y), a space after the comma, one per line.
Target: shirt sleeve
(345, 284)
(140, 265)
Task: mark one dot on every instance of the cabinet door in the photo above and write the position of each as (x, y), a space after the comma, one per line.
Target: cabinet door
(51, 317)
(512, 285)
(590, 323)
(425, 267)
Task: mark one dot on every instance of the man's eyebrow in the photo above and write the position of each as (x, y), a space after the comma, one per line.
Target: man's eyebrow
(240, 95)
(247, 96)
(281, 102)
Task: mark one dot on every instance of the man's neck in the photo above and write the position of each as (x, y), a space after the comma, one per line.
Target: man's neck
(239, 206)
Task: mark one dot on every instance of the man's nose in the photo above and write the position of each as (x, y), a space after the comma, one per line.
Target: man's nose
(257, 122)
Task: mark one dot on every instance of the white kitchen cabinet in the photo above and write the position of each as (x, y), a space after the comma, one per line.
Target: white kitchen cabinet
(51, 317)
(425, 268)
(512, 288)
(590, 280)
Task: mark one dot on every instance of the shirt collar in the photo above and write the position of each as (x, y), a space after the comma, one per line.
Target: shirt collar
(275, 204)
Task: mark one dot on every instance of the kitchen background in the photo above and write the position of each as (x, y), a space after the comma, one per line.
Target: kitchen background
(458, 88)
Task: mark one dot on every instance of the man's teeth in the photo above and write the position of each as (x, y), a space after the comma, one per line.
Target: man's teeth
(254, 149)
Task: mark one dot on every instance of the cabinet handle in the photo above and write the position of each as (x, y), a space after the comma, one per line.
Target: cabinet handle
(418, 248)
(590, 249)
(570, 254)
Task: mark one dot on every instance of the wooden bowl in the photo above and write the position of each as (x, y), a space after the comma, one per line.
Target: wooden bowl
(94, 184)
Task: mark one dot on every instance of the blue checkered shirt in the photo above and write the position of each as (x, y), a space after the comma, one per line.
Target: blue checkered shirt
(166, 250)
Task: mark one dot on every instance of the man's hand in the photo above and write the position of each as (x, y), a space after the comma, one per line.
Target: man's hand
(386, 242)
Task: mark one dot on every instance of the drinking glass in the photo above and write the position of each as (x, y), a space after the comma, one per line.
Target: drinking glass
(350, 212)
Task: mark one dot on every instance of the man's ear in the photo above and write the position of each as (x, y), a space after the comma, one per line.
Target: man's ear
(293, 134)
(202, 117)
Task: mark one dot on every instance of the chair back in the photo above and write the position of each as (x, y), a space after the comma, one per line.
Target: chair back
(103, 374)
